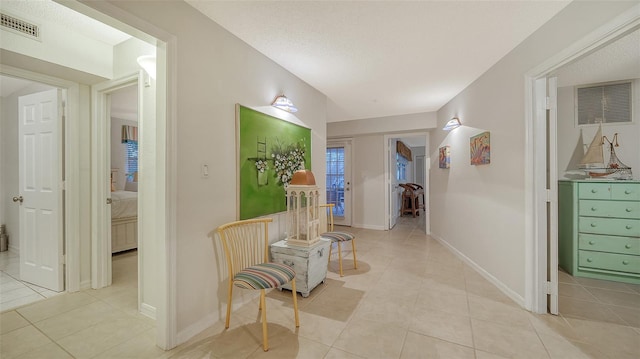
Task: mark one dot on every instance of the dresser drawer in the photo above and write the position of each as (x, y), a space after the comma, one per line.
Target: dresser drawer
(611, 226)
(594, 191)
(625, 191)
(617, 209)
(600, 243)
(609, 261)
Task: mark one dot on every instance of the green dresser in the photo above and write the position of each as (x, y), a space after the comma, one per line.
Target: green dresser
(599, 229)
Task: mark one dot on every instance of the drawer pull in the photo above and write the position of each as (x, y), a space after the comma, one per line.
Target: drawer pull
(287, 262)
(589, 260)
(627, 246)
(629, 209)
(627, 192)
(593, 225)
(625, 262)
(628, 227)
(594, 190)
(592, 242)
(593, 209)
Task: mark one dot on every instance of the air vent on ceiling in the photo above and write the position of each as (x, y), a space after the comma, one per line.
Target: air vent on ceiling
(20, 26)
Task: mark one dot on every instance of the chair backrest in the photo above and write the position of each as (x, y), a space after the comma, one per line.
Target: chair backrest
(245, 243)
(326, 217)
(408, 189)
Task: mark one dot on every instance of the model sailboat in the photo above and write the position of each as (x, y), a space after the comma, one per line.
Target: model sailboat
(593, 160)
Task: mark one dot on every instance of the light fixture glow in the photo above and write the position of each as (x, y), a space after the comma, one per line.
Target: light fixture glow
(453, 123)
(283, 103)
(148, 63)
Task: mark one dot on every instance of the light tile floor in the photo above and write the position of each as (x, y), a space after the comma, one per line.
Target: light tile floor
(13, 292)
(409, 298)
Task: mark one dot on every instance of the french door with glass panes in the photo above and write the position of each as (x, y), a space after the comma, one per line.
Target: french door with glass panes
(339, 180)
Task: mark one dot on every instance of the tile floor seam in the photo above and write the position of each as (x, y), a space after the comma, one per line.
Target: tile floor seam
(541, 341)
(440, 339)
(51, 339)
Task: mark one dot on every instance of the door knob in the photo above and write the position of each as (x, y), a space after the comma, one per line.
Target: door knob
(109, 200)
(18, 199)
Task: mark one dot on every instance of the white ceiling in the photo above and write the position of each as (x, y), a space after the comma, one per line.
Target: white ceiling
(383, 58)
(351, 50)
(47, 11)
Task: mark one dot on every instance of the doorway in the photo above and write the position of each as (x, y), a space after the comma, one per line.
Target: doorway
(123, 154)
(400, 170)
(31, 272)
(542, 154)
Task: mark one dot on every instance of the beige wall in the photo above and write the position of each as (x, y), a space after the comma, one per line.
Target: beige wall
(480, 210)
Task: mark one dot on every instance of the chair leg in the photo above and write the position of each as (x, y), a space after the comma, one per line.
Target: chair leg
(265, 341)
(295, 301)
(330, 247)
(340, 258)
(226, 323)
(353, 246)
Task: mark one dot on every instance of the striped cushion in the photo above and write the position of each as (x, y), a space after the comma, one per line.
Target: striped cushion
(338, 236)
(264, 276)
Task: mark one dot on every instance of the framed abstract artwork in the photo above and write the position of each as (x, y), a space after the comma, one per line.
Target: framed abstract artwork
(444, 157)
(480, 149)
(269, 151)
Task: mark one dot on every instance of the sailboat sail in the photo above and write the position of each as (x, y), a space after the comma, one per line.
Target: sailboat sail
(594, 155)
(593, 160)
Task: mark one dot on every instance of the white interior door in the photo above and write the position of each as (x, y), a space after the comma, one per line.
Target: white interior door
(40, 184)
(339, 184)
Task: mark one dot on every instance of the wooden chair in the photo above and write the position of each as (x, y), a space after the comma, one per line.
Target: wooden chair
(409, 200)
(326, 223)
(246, 248)
(419, 192)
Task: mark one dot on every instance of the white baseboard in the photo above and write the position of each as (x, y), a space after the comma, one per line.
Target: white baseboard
(148, 310)
(85, 284)
(195, 328)
(501, 286)
(211, 319)
(368, 226)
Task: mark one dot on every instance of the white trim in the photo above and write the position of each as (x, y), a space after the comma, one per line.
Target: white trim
(616, 28)
(72, 169)
(495, 281)
(148, 310)
(369, 226)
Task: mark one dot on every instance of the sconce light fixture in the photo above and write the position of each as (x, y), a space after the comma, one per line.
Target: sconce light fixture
(283, 103)
(148, 63)
(453, 123)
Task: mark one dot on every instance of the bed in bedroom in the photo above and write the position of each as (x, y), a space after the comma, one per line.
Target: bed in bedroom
(124, 218)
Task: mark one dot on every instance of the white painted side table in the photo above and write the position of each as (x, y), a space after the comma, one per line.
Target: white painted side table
(310, 263)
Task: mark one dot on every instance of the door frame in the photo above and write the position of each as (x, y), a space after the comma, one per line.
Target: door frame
(165, 166)
(387, 172)
(536, 225)
(71, 168)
